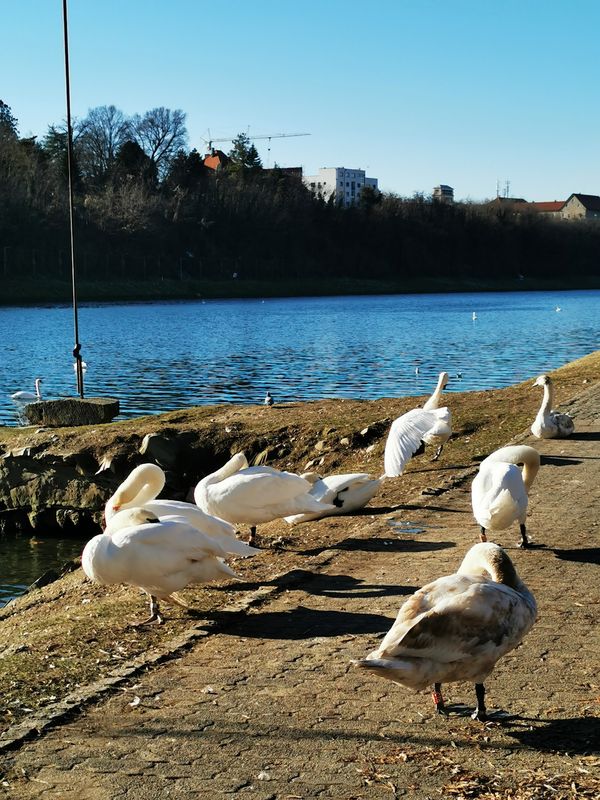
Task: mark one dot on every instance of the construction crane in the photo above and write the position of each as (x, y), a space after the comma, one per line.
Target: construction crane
(268, 136)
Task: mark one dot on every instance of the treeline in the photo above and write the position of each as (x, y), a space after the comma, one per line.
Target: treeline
(147, 208)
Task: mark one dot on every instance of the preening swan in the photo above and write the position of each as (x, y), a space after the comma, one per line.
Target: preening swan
(159, 556)
(28, 397)
(550, 424)
(268, 401)
(499, 492)
(456, 628)
(250, 495)
(140, 489)
(409, 432)
(347, 493)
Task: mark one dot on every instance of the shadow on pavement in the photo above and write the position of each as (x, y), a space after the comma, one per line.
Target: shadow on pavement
(391, 545)
(584, 555)
(585, 436)
(576, 735)
(560, 461)
(300, 623)
(329, 585)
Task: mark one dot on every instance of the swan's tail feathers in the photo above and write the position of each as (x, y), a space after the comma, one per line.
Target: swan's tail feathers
(390, 668)
(225, 569)
(177, 600)
(235, 547)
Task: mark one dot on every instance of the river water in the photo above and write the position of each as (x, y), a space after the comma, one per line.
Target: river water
(156, 357)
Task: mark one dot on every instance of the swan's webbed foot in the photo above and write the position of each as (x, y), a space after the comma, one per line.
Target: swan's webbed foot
(438, 699)
(480, 712)
(482, 535)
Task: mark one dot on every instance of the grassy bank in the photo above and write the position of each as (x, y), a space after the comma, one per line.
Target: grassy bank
(51, 291)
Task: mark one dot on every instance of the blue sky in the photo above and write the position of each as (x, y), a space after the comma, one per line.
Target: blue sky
(417, 92)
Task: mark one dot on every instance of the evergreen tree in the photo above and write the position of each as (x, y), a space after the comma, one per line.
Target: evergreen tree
(244, 155)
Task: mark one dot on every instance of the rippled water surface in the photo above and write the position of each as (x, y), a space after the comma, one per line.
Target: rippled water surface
(156, 357)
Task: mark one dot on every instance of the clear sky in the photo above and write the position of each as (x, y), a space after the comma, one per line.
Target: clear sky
(417, 92)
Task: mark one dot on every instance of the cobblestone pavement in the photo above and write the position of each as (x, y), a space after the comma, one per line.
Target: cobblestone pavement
(270, 707)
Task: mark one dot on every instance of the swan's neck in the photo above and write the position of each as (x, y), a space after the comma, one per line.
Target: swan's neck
(145, 483)
(517, 454)
(235, 464)
(547, 399)
(493, 561)
(434, 400)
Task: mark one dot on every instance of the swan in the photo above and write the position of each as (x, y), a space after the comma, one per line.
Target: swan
(499, 492)
(142, 486)
(268, 401)
(442, 430)
(347, 493)
(159, 556)
(251, 495)
(409, 432)
(27, 397)
(550, 424)
(457, 627)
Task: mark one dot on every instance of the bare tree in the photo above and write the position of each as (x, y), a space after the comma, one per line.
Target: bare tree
(101, 134)
(161, 133)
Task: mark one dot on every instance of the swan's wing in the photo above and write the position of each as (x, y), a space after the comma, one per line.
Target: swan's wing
(255, 488)
(229, 544)
(167, 538)
(207, 523)
(327, 489)
(405, 437)
(478, 618)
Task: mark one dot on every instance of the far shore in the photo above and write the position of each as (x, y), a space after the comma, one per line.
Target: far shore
(41, 291)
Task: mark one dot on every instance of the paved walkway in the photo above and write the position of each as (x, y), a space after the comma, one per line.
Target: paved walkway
(270, 708)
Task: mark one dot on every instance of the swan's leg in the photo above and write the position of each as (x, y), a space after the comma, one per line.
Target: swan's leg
(438, 699)
(524, 540)
(480, 712)
(438, 453)
(482, 534)
(252, 537)
(154, 614)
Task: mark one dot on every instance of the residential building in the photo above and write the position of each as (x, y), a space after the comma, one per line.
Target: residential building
(443, 193)
(548, 208)
(216, 159)
(346, 185)
(581, 206)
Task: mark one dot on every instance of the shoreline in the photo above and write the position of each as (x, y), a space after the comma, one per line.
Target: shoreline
(16, 293)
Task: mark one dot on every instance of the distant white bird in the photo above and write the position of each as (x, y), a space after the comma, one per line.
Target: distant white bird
(550, 424)
(83, 366)
(558, 308)
(347, 493)
(456, 628)
(474, 316)
(500, 492)
(251, 495)
(144, 484)
(159, 556)
(28, 397)
(268, 401)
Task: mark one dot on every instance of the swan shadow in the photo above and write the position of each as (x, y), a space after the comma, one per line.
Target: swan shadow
(585, 436)
(560, 461)
(384, 546)
(326, 585)
(412, 507)
(583, 555)
(299, 623)
(578, 735)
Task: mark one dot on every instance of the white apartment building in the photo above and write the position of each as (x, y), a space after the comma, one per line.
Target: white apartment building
(345, 184)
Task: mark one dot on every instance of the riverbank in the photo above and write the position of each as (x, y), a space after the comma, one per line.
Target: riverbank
(43, 291)
(264, 669)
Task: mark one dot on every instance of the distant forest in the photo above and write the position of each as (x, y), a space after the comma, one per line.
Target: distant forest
(147, 209)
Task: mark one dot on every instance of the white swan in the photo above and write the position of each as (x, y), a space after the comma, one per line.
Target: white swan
(550, 424)
(442, 430)
(456, 628)
(268, 401)
(140, 489)
(251, 495)
(499, 492)
(27, 397)
(409, 432)
(347, 493)
(159, 556)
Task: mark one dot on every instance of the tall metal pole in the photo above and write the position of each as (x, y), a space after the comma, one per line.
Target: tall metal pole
(77, 347)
